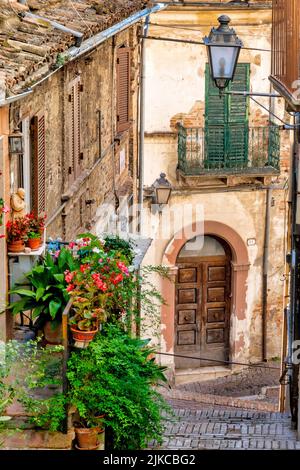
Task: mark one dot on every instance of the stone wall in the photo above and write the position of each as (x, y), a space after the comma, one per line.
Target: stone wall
(100, 177)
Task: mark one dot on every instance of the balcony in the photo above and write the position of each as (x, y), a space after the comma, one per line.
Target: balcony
(220, 151)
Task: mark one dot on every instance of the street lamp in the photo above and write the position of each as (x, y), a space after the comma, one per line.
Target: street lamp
(223, 47)
(16, 143)
(162, 189)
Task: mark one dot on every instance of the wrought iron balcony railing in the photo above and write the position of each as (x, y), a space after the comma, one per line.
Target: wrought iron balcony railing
(228, 150)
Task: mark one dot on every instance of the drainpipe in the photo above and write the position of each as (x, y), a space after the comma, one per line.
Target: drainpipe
(142, 122)
(265, 276)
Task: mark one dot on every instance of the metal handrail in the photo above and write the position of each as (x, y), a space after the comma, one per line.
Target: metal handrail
(235, 148)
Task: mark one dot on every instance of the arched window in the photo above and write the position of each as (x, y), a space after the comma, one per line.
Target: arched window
(202, 246)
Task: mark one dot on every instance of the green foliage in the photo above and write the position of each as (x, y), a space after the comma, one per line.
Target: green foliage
(115, 376)
(48, 296)
(26, 371)
(119, 245)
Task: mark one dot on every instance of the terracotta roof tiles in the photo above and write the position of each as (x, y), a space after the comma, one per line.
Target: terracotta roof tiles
(30, 47)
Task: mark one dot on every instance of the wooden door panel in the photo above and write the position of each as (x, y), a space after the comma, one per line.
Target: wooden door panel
(202, 312)
(215, 335)
(216, 294)
(216, 273)
(215, 311)
(186, 338)
(187, 296)
(215, 315)
(187, 275)
(187, 316)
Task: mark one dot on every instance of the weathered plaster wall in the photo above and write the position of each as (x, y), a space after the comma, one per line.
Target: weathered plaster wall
(175, 91)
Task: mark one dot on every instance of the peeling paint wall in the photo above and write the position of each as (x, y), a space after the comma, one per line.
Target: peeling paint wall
(175, 91)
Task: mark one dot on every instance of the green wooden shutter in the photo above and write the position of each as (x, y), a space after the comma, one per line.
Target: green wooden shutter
(226, 122)
(215, 117)
(238, 119)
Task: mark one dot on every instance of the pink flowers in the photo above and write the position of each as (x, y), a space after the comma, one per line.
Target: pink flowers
(69, 276)
(123, 268)
(5, 209)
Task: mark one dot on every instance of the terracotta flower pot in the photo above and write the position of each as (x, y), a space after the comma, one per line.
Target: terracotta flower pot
(87, 438)
(34, 243)
(83, 336)
(99, 419)
(16, 246)
(53, 334)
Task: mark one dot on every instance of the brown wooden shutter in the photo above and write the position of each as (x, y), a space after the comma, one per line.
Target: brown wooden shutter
(123, 89)
(74, 129)
(39, 164)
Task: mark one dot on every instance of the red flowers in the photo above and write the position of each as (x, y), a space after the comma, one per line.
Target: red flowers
(98, 282)
(70, 287)
(115, 279)
(84, 267)
(17, 230)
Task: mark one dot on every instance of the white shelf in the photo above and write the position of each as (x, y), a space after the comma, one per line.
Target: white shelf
(38, 252)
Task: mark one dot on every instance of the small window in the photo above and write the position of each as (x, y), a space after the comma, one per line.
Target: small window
(202, 246)
(123, 89)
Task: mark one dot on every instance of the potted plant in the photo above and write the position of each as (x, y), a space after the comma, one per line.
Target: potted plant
(87, 432)
(115, 377)
(36, 227)
(95, 287)
(47, 296)
(16, 234)
(34, 240)
(88, 292)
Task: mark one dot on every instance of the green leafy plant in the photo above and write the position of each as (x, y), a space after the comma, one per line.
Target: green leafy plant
(26, 371)
(47, 296)
(117, 377)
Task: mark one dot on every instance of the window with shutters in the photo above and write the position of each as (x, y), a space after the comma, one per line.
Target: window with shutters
(38, 140)
(123, 89)
(227, 121)
(74, 128)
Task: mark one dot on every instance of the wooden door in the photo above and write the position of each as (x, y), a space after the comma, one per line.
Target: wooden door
(203, 303)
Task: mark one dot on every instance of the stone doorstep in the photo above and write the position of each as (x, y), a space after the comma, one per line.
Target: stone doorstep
(186, 376)
(32, 439)
(221, 400)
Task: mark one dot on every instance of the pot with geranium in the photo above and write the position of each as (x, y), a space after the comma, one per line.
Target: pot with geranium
(16, 234)
(94, 288)
(89, 294)
(36, 227)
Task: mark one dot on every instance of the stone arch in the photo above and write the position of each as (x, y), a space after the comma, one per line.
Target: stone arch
(240, 267)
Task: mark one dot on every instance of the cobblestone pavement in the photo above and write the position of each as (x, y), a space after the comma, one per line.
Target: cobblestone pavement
(242, 383)
(199, 427)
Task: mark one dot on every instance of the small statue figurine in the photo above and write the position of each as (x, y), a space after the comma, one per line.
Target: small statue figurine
(18, 204)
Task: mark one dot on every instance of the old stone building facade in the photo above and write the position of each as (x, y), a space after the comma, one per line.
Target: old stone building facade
(70, 85)
(229, 158)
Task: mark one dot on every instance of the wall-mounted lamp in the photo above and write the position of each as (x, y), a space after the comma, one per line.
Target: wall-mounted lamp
(223, 48)
(162, 189)
(16, 143)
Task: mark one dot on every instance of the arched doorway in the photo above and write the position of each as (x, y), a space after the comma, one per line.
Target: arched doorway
(203, 302)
